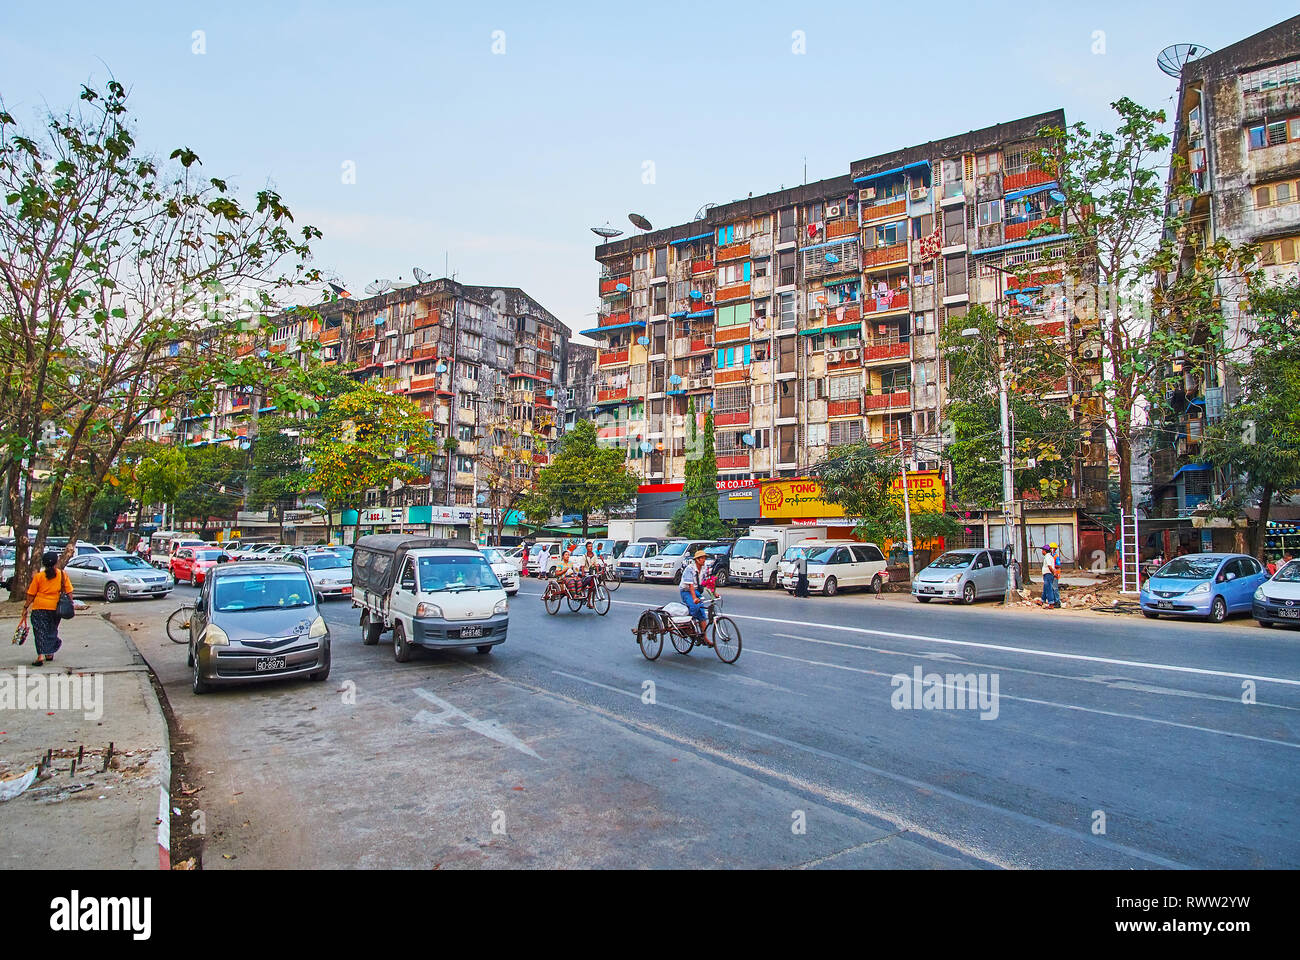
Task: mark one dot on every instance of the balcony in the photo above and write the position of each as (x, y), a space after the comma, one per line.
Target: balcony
(610, 286)
(614, 319)
(731, 418)
(612, 395)
(425, 351)
(880, 256)
(425, 319)
(841, 228)
(1024, 177)
(881, 349)
(889, 301)
(1018, 231)
(610, 358)
(882, 402)
(731, 334)
(844, 408)
(733, 251)
(735, 461)
(734, 291)
(731, 375)
(425, 383)
(884, 209)
(330, 336)
(701, 266)
(365, 334)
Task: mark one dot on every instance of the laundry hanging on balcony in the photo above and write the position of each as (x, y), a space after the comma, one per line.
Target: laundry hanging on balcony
(930, 247)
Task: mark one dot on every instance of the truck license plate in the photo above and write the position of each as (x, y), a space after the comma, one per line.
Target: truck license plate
(269, 663)
(471, 632)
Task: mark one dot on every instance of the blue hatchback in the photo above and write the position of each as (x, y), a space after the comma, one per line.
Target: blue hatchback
(1210, 585)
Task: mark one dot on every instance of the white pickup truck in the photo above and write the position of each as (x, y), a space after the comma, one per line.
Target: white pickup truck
(430, 592)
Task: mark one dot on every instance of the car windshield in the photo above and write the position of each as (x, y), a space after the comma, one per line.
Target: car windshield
(1290, 573)
(720, 551)
(456, 573)
(268, 591)
(636, 550)
(342, 551)
(953, 560)
(822, 555)
(1189, 568)
(748, 548)
(207, 555)
(127, 563)
(793, 553)
(494, 556)
(327, 561)
(674, 550)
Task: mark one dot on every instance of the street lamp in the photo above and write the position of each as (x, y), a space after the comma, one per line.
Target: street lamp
(1008, 480)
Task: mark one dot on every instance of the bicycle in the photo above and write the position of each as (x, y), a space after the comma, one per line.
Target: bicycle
(686, 634)
(178, 624)
(562, 588)
(609, 576)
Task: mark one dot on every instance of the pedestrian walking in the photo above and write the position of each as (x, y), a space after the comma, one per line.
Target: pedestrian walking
(523, 559)
(1051, 598)
(801, 574)
(43, 593)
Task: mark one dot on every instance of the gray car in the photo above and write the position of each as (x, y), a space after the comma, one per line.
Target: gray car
(966, 575)
(115, 576)
(256, 621)
(7, 562)
(330, 573)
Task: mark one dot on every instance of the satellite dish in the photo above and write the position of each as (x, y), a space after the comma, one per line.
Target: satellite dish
(675, 379)
(640, 222)
(621, 288)
(703, 212)
(441, 368)
(1173, 58)
(420, 275)
(550, 391)
(400, 284)
(264, 353)
(831, 258)
(748, 439)
(644, 341)
(607, 231)
(244, 444)
(376, 287)
(696, 295)
(646, 446)
(380, 321)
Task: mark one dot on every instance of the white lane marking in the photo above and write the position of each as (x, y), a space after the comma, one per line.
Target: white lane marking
(1076, 835)
(1052, 703)
(492, 729)
(1114, 683)
(1027, 651)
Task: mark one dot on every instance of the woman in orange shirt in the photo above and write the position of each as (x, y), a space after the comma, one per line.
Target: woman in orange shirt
(43, 602)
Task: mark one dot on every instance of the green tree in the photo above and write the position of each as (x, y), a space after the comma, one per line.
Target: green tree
(698, 517)
(1257, 441)
(215, 476)
(159, 472)
(585, 478)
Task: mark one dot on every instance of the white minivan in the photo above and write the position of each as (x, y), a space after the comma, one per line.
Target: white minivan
(834, 565)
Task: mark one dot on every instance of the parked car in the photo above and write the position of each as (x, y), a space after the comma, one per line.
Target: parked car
(1209, 585)
(163, 545)
(8, 559)
(192, 564)
(329, 573)
(966, 575)
(114, 576)
(631, 565)
(755, 561)
(834, 565)
(256, 621)
(1277, 600)
(507, 570)
(785, 571)
(672, 560)
(609, 549)
(718, 561)
(430, 592)
(343, 551)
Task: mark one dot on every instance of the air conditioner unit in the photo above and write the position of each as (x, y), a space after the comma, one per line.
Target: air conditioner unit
(832, 356)
(833, 210)
(920, 193)
(1090, 351)
(850, 354)
(868, 193)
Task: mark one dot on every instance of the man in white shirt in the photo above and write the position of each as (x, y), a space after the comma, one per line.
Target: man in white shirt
(1051, 596)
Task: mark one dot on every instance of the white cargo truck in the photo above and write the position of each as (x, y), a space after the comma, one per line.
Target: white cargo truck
(755, 557)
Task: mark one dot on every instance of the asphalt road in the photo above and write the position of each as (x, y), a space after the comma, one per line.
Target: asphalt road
(1111, 743)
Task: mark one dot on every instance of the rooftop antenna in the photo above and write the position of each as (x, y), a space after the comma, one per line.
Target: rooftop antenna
(640, 222)
(420, 275)
(1173, 58)
(607, 232)
(703, 212)
(376, 287)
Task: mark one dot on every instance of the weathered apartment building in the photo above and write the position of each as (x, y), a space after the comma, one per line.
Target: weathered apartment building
(810, 317)
(485, 364)
(1237, 135)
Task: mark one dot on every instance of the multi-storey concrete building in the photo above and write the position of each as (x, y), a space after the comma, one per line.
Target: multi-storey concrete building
(810, 317)
(484, 363)
(1237, 144)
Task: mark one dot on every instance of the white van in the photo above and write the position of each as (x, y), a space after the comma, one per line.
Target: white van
(631, 563)
(672, 560)
(834, 565)
(554, 554)
(430, 592)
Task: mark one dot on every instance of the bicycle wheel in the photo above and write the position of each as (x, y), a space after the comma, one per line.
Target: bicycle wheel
(601, 600)
(178, 625)
(726, 639)
(551, 599)
(648, 637)
(575, 603)
(613, 581)
(682, 645)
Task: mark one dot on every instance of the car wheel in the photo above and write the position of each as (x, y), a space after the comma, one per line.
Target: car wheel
(189, 655)
(1218, 610)
(193, 577)
(1150, 614)
(678, 578)
(324, 671)
(922, 599)
(112, 593)
(831, 587)
(968, 593)
(772, 581)
(197, 683)
(370, 631)
(484, 648)
(401, 648)
(723, 578)
(876, 584)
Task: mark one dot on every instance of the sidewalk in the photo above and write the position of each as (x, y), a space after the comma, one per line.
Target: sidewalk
(96, 692)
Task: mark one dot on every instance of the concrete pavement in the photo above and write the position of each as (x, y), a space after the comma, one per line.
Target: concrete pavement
(79, 815)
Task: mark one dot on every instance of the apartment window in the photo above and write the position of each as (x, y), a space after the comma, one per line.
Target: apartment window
(661, 262)
(761, 267)
(816, 434)
(1270, 78)
(639, 261)
(734, 315)
(954, 276)
(845, 388)
(954, 226)
(844, 431)
(660, 305)
(733, 273)
(990, 211)
(986, 163)
(923, 226)
(1275, 252)
(1272, 134)
(464, 464)
(786, 309)
(1277, 194)
(785, 267)
(465, 432)
(787, 226)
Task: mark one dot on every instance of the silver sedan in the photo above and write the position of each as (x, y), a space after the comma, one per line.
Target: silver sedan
(114, 576)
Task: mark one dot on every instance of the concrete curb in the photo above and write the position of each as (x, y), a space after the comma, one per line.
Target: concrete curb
(163, 817)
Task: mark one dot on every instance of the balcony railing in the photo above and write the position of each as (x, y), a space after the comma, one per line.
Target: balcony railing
(896, 400)
(701, 266)
(889, 207)
(733, 251)
(1018, 231)
(731, 418)
(612, 319)
(611, 395)
(425, 319)
(424, 351)
(701, 344)
(843, 408)
(731, 375)
(729, 334)
(885, 348)
(425, 383)
(879, 256)
(609, 358)
(841, 228)
(734, 291)
(331, 335)
(610, 287)
(891, 300)
(1024, 177)
(737, 461)
(365, 334)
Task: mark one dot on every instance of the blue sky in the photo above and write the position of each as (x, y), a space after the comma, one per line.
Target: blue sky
(499, 162)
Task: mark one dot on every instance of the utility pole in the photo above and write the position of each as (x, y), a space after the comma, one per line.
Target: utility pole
(907, 511)
(1008, 478)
